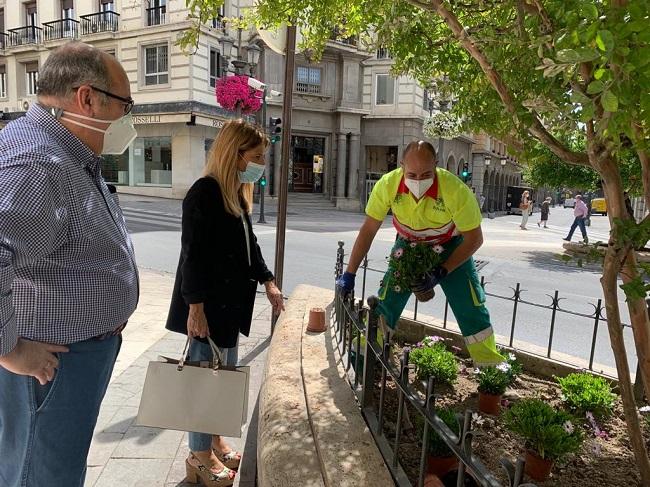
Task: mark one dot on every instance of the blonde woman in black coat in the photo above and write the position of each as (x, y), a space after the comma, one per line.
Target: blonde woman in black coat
(220, 267)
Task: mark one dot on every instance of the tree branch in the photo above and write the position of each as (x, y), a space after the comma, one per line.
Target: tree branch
(536, 128)
(644, 157)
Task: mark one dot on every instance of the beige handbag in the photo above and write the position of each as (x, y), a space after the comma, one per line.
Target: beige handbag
(202, 397)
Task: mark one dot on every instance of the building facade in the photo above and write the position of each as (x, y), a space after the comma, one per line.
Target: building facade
(351, 118)
(176, 114)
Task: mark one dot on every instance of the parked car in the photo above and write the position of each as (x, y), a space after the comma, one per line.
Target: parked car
(599, 205)
(570, 203)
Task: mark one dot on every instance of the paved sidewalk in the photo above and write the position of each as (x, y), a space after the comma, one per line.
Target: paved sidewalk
(124, 455)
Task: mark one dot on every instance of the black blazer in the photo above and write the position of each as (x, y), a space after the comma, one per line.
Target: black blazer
(213, 268)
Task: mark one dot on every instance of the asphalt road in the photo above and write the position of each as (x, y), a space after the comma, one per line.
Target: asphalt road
(512, 255)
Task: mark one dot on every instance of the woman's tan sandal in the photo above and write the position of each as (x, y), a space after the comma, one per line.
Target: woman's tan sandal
(232, 459)
(201, 474)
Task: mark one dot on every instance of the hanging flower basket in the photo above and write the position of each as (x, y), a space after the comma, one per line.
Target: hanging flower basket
(442, 124)
(233, 92)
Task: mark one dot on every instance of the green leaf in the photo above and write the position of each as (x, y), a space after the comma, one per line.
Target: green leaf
(595, 86)
(605, 40)
(589, 11)
(567, 56)
(599, 73)
(609, 101)
(580, 55)
(578, 97)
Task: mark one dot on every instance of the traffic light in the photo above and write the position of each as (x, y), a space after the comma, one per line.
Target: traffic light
(275, 124)
(466, 175)
(263, 181)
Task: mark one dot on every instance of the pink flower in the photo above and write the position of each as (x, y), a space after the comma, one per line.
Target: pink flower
(398, 253)
(233, 91)
(438, 249)
(413, 244)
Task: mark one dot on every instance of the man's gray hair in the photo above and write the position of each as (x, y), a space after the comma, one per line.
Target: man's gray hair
(71, 66)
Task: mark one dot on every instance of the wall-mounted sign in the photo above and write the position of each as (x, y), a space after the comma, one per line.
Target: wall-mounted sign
(143, 119)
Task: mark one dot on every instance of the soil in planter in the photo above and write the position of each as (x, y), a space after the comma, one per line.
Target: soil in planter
(605, 463)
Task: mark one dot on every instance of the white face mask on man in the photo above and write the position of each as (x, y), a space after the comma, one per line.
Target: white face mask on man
(117, 137)
(418, 187)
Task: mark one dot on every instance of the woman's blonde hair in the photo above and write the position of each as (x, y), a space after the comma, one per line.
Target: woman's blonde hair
(235, 138)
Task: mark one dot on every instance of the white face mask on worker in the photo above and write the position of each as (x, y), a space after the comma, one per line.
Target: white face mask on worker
(418, 187)
(117, 137)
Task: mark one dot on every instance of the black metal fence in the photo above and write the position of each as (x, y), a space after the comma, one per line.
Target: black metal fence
(61, 29)
(555, 310)
(157, 15)
(99, 22)
(22, 36)
(352, 321)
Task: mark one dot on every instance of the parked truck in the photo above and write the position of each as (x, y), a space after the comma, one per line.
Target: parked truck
(513, 198)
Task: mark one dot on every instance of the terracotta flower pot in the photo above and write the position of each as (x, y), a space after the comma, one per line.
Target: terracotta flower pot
(424, 296)
(316, 320)
(489, 403)
(537, 468)
(439, 466)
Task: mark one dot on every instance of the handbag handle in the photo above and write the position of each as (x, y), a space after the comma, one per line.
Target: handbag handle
(217, 360)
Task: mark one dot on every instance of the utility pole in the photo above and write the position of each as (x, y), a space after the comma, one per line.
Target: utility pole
(262, 183)
(287, 103)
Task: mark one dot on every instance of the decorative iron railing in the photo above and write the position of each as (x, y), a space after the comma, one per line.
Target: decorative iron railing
(61, 29)
(4, 40)
(350, 319)
(157, 15)
(23, 36)
(99, 22)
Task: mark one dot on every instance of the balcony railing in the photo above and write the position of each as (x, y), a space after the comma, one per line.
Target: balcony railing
(218, 23)
(4, 40)
(61, 29)
(349, 41)
(308, 88)
(23, 36)
(157, 15)
(383, 53)
(100, 22)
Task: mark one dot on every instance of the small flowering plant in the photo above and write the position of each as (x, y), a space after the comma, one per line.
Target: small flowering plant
(409, 261)
(233, 92)
(495, 379)
(549, 432)
(435, 361)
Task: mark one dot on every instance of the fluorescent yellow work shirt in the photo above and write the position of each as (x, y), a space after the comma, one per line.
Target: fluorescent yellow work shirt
(446, 209)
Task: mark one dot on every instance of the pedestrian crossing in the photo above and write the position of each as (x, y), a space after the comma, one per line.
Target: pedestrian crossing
(139, 220)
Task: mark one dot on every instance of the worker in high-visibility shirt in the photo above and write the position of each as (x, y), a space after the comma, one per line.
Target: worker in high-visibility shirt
(430, 205)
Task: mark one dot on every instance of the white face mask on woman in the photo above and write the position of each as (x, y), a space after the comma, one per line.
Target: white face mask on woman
(418, 186)
(117, 137)
(252, 172)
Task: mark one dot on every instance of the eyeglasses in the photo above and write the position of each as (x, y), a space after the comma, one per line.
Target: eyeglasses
(128, 102)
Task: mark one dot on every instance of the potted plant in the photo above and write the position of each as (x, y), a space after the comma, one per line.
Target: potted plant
(492, 383)
(409, 261)
(549, 434)
(440, 458)
(434, 361)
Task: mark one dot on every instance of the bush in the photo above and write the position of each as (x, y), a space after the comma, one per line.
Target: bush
(435, 361)
(585, 392)
(437, 446)
(548, 432)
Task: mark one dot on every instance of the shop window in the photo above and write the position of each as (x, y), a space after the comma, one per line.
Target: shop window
(115, 168)
(152, 160)
(385, 89)
(156, 65)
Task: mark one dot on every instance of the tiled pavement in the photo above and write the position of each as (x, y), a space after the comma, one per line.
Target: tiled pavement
(125, 455)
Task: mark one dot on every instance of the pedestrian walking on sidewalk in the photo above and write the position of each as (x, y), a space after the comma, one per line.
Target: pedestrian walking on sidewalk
(525, 205)
(219, 268)
(545, 212)
(430, 205)
(68, 278)
(580, 213)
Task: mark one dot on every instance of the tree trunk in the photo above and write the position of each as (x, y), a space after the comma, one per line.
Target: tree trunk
(616, 257)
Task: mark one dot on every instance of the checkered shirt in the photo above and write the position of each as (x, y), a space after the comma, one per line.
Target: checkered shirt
(67, 266)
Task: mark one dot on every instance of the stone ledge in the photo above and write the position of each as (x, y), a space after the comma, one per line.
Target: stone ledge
(311, 431)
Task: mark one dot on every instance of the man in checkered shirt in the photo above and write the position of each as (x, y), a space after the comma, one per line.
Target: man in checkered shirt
(68, 278)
